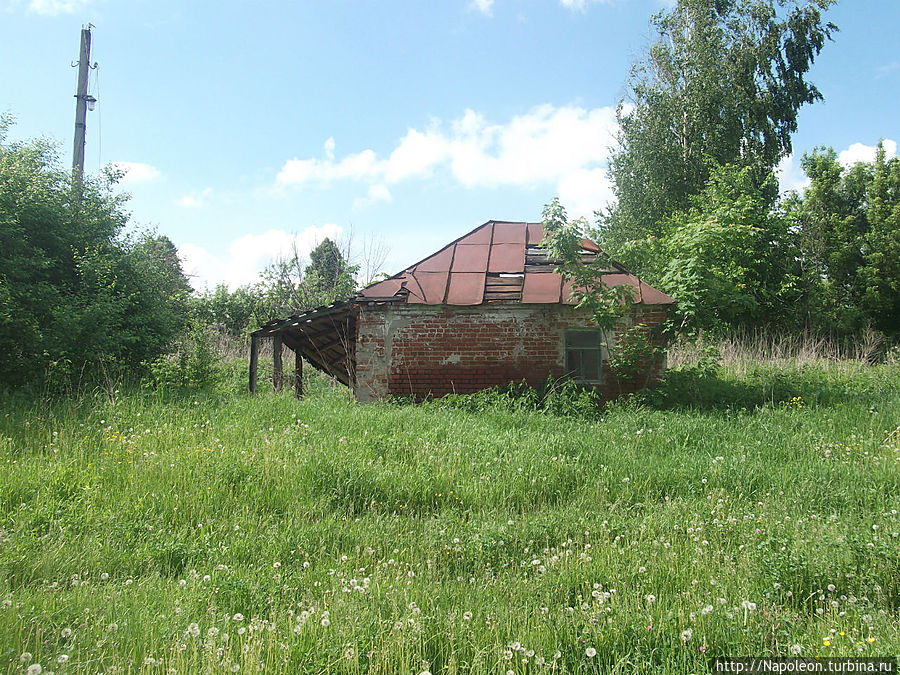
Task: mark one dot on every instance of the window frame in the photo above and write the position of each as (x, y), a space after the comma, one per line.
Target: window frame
(578, 373)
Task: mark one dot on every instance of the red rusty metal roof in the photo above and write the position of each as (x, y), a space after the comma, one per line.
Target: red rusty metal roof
(498, 261)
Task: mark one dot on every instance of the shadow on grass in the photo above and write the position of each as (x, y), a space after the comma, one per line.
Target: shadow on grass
(699, 387)
(773, 384)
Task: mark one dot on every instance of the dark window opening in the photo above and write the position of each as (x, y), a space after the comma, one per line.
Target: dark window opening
(584, 355)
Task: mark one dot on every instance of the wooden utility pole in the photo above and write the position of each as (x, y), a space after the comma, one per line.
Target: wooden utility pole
(81, 105)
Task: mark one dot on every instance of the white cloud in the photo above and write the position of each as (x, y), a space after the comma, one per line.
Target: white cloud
(486, 7)
(136, 172)
(585, 191)
(55, 7)
(195, 199)
(887, 69)
(790, 175)
(859, 152)
(579, 5)
(377, 193)
(564, 147)
(248, 255)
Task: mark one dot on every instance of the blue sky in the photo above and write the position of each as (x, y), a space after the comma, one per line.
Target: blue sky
(247, 126)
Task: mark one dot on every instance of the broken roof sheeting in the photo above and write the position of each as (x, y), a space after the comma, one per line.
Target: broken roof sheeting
(427, 287)
(324, 336)
(458, 273)
(541, 287)
(470, 258)
(507, 258)
(466, 288)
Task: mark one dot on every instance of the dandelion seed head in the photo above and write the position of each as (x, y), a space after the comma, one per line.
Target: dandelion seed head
(590, 652)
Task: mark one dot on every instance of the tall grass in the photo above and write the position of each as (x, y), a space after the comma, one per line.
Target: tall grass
(149, 532)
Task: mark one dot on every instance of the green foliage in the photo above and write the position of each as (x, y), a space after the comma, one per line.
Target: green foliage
(233, 313)
(728, 260)
(192, 365)
(847, 225)
(636, 347)
(564, 243)
(290, 287)
(721, 81)
(446, 539)
(563, 397)
(75, 294)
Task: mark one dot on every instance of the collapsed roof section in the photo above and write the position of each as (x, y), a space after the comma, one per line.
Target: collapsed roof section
(324, 336)
(499, 262)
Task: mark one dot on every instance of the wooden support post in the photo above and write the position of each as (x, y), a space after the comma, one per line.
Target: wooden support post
(298, 374)
(277, 371)
(254, 356)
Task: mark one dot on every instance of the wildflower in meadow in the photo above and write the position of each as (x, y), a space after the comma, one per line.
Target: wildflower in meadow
(651, 599)
(796, 649)
(467, 616)
(325, 622)
(66, 632)
(25, 657)
(193, 630)
(590, 652)
(34, 669)
(686, 635)
(706, 610)
(238, 617)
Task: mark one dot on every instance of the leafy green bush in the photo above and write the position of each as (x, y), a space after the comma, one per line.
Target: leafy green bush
(561, 397)
(192, 365)
(75, 295)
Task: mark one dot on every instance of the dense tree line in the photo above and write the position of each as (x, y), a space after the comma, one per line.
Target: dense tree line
(710, 113)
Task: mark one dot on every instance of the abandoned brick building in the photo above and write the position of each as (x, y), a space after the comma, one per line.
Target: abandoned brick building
(487, 309)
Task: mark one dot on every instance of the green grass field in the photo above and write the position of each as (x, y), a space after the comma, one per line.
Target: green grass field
(229, 533)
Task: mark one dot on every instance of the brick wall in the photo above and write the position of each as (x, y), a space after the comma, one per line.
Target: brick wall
(423, 350)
